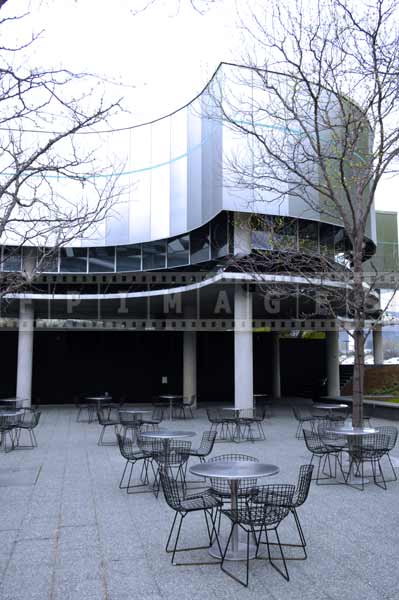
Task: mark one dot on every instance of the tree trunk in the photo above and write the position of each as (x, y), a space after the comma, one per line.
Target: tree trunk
(358, 377)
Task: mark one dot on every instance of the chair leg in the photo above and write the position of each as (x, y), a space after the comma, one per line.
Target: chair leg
(284, 573)
(222, 564)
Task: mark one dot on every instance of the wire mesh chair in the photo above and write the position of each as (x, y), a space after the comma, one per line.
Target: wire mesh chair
(152, 423)
(365, 449)
(82, 404)
(324, 454)
(302, 416)
(216, 420)
(260, 514)
(171, 455)
(8, 425)
(252, 418)
(108, 416)
(28, 420)
(392, 432)
(132, 455)
(221, 487)
(130, 422)
(205, 447)
(183, 505)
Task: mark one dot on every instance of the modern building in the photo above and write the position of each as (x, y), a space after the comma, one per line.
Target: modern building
(158, 298)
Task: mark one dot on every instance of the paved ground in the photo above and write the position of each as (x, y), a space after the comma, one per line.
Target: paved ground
(69, 533)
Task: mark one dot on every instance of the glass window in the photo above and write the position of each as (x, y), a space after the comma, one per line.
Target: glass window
(199, 244)
(101, 259)
(327, 236)
(260, 240)
(154, 255)
(73, 260)
(11, 259)
(219, 236)
(178, 251)
(128, 258)
(47, 260)
(283, 233)
(308, 233)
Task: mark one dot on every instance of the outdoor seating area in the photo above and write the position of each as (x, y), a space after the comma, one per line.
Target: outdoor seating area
(215, 516)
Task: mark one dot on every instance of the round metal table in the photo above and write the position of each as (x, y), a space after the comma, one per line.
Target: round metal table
(353, 432)
(97, 399)
(329, 406)
(234, 471)
(171, 397)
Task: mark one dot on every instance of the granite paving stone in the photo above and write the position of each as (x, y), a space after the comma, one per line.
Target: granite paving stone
(71, 534)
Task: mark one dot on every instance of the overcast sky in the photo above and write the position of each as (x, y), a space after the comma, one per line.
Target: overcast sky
(162, 56)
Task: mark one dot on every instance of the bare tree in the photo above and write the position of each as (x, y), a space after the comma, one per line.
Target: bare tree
(54, 183)
(321, 124)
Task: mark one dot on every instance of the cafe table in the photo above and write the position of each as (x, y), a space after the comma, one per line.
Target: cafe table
(353, 432)
(170, 398)
(234, 472)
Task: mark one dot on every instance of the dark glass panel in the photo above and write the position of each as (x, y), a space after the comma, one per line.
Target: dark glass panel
(128, 258)
(73, 260)
(199, 244)
(327, 236)
(283, 233)
(178, 251)
(219, 236)
(101, 260)
(47, 260)
(11, 258)
(308, 233)
(154, 255)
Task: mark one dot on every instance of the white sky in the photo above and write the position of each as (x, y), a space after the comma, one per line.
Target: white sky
(163, 56)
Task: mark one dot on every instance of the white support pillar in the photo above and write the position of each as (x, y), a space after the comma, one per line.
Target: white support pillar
(332, 357)
(25, 353)
(276, 381)
(190, 364)
(243, 349)
(378, 347)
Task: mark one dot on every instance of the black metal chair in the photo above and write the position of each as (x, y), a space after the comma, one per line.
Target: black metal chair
(206, 446)
(8, 425)
(252, 418)
(82, 405)
(302, 417)
(300, 496)
(216, 420)
(221, 487)
(28, 420)
(370, 448)
(392, 432)
(324, 453)
(259, 514)
(108, 416)
(152, 423)
(132, 455)
(171, 455)
(183, 505)
(130, 422)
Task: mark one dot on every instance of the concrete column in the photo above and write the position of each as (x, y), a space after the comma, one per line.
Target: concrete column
(378, 347)
(276, 382)
(243, 349)
(190, 364)
(25, 353)
(332, 357)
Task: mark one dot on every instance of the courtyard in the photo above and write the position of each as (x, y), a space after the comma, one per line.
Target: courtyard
(69, 533)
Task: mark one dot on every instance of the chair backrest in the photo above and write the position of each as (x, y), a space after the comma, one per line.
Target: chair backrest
(170, 489)
(108, 414)
(128, 419)
(366, 446)
(270, 504)
(170, 452)
(189, 400)
(313, 442)
(213, 415)
(126, 446)
(303, 485)
(222, 486)
(392, 432)
(207, 442)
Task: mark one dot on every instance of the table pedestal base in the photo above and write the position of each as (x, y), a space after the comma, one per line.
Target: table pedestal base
(238, 553)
